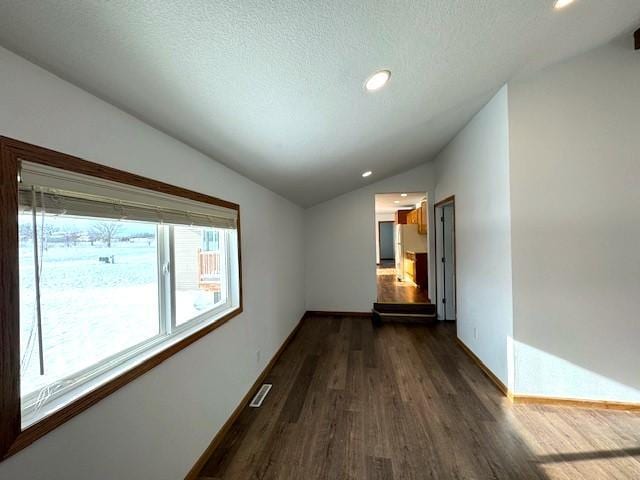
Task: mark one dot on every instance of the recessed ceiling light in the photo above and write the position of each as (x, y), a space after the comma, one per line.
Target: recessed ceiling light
(403, 194)
(560, 4)
(377, 80)
(367, 173)
(396, 201)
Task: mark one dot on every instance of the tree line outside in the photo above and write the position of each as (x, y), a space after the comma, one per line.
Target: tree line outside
(106, 232)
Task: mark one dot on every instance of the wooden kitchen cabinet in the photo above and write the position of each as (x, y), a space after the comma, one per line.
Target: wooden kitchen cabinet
(422, 218)
(401, 217)
(417, 217)
(409, 267)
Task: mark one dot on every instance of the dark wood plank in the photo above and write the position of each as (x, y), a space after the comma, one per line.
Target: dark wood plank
(298, 395)
(390, 290)
(217, 464)
(368, 345)
(405, 402)
(355, 338)
(379, 468)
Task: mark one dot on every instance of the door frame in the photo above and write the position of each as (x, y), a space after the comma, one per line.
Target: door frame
(380, 243)
(451, 200)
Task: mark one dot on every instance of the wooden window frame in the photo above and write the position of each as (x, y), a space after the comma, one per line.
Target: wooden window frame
(12, 437)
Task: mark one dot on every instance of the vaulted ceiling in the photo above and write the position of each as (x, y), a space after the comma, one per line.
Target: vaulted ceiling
(274, 89)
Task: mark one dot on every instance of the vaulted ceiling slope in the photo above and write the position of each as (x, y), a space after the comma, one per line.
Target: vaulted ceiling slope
(274, 90)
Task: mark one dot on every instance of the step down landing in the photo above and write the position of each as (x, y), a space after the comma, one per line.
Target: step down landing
(404, 312)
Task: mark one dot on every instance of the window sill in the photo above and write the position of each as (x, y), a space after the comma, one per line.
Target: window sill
(79, 399)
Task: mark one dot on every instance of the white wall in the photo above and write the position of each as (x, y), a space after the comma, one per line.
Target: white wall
(158, 425)
(381, 217)
(475, 168)
(575, 191)
(340, 244)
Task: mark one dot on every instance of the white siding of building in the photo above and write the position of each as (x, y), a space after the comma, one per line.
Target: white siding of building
(187, 243)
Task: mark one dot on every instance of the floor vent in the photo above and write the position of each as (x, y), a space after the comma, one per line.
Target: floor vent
(260, 396)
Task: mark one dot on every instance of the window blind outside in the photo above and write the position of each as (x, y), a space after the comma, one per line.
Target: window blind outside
(61, 192)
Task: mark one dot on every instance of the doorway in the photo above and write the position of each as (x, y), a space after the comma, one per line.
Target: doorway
(385, 243)
(445, 216)
(402, 248)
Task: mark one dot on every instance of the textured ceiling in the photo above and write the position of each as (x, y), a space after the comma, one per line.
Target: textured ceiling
(273, 89)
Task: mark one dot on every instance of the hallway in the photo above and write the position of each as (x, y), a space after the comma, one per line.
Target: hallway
(399, 401)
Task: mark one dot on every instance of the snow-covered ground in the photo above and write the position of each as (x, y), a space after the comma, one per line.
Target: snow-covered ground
(91, 309)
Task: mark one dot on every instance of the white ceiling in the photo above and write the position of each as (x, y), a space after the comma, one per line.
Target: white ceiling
(273, 89)
(386, 202)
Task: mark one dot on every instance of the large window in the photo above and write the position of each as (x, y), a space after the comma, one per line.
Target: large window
(111, 277)
(200, 271)
(98, 298)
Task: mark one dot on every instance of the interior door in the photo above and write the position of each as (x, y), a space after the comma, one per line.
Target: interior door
(439, 237)
(387, 248)
(449, 251)
(446, 261)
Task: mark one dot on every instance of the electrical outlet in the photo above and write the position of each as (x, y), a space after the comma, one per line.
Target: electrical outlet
(475, 333)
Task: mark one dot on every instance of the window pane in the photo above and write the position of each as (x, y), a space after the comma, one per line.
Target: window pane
(200, 275)
(99, 294)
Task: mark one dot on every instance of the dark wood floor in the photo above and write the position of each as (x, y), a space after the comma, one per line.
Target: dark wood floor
(404, 402)
(393, 291)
